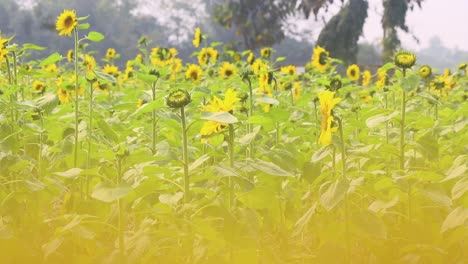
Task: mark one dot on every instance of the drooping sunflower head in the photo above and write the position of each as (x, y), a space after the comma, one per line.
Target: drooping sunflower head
(38, 86)
(227, 70)
(320, 59)
(335, 83)
(193, 73)
(265, 53)
(251, 58)
(110, 54)
(197, 38)
(462, 66)
(290, 70)
(70, 55)
(404, 59)
(66, 22)
(353, 72)
(366, 78)
(89, 62)
(425, 71)
(178, 98)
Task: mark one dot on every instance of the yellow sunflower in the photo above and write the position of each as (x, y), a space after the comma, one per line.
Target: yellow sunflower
(353, 72)
(259, 67)
(327, 102)
(404, 59)
(70, 55)
(296, 91)
(366, 78)
(320, 59)
(89, 62)
(265, 53)
(197, 38)
(382, 79)
(425, 71)
(251, 58)
(66, 22)
(193, 73)
(111, 70)
(110, 54)
(227, 70)
(290, 69)
(64, 96)
(38, 86)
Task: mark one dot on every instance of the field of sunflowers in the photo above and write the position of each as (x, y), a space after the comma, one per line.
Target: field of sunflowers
(234, 158)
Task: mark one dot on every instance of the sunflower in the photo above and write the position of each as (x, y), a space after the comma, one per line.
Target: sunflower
(178, 98)
(353, 72)
(207, 55)
(320, 59)
(425, 71)
(327, 102)
(296, 91)
(193, 73)
(382, 79)
(38, 86)
(366, 78)
(163, 56)
(128, 72)
(89, 62)
(70, 55)
(175, 67)
(141, 102)
(66, 22)
(290, 70)
(259, 67)
(64, 96)
(251, 58)
(227, 70)
(3, 53)
(217, 105)
(111, 70)
(51, 68)
(404, 59)
(110, 53)
(197, 38)
(265, 53)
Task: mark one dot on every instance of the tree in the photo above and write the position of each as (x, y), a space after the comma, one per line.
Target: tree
(341, 34)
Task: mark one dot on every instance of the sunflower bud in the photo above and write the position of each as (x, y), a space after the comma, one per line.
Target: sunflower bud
(425, 71)
(155, 73)
(335, 83)
(404, 59)
(462, 66)
(265, 53)
(178, 99)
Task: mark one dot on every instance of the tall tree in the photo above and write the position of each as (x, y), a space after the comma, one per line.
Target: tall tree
(341, 34)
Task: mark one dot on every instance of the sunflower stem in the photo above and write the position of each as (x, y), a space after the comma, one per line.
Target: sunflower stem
(121, 224)
(343, 148)
(386, 123)
(402, 128)
(231, 164)
(249, 125)
(75, 159)
(90, 136)
(153, 119)
(185, 156)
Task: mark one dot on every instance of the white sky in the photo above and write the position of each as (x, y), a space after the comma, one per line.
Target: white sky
(444, 18)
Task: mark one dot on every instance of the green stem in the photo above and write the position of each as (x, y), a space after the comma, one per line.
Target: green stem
(153, 120)
(402, 128)
(343, 148)
(436, 112)
(41, 144)
(249, 126)
(231, 164)
(185, 156)
(75, 160)
(15, 77)
(121, 225)
(90, 133)
(386, 123)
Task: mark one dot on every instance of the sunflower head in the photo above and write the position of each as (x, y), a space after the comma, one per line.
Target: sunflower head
(141, 102)
(70, 55)
(66, 22)
(404, 59)
(178, 98)
(425, 71)
(290, 70)
(320, 59)
(193, 73)
(462, 66)
(110, 54)
(38, 86)
(366, 78)
(111, 70)
(89, 62)
(265, 53)
(251, 58)
(197, 38)
(335, 84)
(353, 72)
(227, 70)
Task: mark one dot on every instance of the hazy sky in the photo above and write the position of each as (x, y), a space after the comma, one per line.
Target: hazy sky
(444, 18)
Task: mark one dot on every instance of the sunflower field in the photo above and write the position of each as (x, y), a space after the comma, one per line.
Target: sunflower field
(233, 158)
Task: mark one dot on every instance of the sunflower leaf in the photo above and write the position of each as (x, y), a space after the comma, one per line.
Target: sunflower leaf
(220, 117)
(95, 36)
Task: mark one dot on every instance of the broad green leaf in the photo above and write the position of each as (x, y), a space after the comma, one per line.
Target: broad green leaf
(387, 66)
(220, 117)
(83, 26)
(199, 162)
(438, 196)
(334, 194)
(280, 59)
(248, 138)
(268, 168)
(267, 100)
(460, 188)
(260, 120)
(429, 98)
(95, 36)
(321, 154)
(53, 58)
(381, 206)
(458, 168)
(258, 198)
(83, 18)
(106, 193)
(108, 131)
(374, 121)
(171, 199)
(104, 76)
(29, 46)
(148, 107)
(304, 220)
(70, 174)
(51, 246)
(455, 219)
